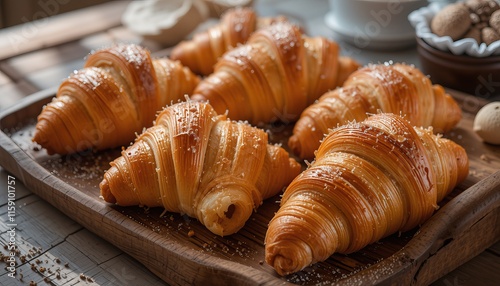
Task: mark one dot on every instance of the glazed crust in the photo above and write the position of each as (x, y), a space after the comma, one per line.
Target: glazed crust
(114, 96)
(274, 76)
(203, 51)
(396, 88)
(198, 163)
(368, 180)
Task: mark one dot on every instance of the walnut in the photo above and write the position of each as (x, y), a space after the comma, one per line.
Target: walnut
(483, 8)
(476, 19)
(474, 33)
(495, 21)
(453, 20)
(489, 35)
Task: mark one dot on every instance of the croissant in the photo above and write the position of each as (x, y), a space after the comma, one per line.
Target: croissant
(198, 163)
(116, 94)
(395, 88)
(205, 48)
(275, 75)
(368, 180)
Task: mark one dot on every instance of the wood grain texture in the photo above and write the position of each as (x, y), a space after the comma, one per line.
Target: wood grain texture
(59, 251)
(162, 244)
(470, 272)
(58, 29)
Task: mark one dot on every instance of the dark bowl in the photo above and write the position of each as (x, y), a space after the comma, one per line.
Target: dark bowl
(473, 75)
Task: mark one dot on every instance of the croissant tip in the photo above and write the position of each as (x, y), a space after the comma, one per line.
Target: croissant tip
(278, 269)
(40, 138)
(294, 145)
(37, 138)
(106, 192)
(289, 256)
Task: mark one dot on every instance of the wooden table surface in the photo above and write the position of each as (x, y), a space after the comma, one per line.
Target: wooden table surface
(37, 56)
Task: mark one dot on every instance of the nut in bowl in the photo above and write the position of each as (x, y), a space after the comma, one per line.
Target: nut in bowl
(373, 24)
(458, 47)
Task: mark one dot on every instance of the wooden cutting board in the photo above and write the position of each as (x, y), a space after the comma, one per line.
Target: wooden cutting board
(467, 223)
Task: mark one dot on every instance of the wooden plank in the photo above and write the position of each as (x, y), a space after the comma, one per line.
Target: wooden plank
(467, 274)
(99, 250)
(35, 218)
(12, 92)
(53, 76)
(48, 67)
(22, 66)
(109, 264)
(22, 11)
(69, 263)
(61, 265)
(448, 258)
(60, 29)
(37, 228)
(19, 189)
(124, 270)
(163, 244)
(54, 248)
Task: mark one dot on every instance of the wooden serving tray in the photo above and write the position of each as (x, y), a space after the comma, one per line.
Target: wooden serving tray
(465, 225)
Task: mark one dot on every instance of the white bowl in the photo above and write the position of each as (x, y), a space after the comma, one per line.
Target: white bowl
(165, 21)
(381, 24)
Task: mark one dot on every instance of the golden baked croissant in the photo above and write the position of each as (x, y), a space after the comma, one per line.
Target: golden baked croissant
(198, 163)
(368, 180)
(205, 48)
(396, 88)
(275, 75)
(116, 94)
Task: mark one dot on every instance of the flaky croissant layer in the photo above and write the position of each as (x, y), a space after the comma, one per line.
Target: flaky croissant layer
(369, 180)
(202, 52)
(275, 75)
(391, 88)
(116, 94)
(198, 163)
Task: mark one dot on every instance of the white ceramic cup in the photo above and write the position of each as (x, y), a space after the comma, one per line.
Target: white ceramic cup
(374, 24)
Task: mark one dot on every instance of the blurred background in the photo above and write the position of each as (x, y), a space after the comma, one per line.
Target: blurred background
(43, 41)
(15, 12)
